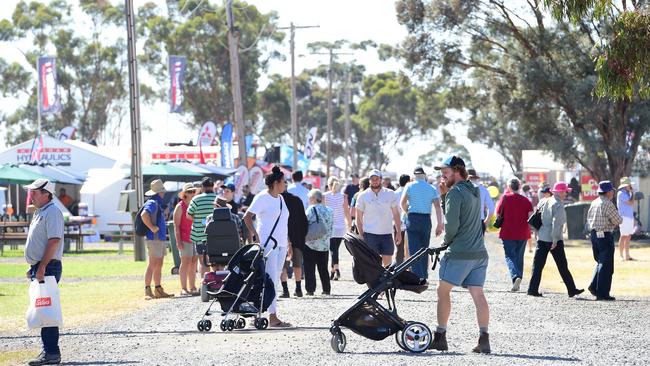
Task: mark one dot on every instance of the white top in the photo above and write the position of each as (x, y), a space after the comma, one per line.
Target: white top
(267, 209)
(335, 202)
(301, 192)
(377, 210)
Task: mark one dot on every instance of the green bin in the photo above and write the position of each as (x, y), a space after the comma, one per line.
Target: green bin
(576, 219)
(173, 247)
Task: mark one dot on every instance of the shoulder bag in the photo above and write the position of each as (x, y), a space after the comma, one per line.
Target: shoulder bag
(316, 229)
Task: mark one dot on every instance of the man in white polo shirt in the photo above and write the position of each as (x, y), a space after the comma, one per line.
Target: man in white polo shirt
(377, 212)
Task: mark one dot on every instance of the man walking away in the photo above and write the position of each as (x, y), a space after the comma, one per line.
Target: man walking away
(352, 189)
(625, 203)
(549, 238)
(515, 231)
(297, 189)
(417, 200)
(376, 214)
(156, 239)
(44, 252)
(298, 227)
(200, 207)
(487, 205)
(602, 220)
(466, 260)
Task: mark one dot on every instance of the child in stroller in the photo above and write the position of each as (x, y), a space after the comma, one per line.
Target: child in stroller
(366, 316)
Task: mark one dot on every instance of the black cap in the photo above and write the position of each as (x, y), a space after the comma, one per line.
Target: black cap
(450, 162)
(472, 173)
(207, 182)
(419, 170)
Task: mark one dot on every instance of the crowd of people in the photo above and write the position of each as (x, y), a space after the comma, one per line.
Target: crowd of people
(308, 226)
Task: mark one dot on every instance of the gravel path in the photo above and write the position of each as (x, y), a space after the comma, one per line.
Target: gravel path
(524, 331)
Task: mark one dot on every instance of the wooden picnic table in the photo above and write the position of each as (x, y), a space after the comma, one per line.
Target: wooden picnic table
(121, 226)
(12, 232)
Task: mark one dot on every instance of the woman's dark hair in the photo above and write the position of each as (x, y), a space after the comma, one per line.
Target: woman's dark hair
(274, 176)
(365, 183)
(404, 179)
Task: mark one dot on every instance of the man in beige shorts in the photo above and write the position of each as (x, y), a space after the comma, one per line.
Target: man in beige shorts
(153, 216)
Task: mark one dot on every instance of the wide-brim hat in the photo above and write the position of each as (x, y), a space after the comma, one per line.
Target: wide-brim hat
(188, 187)
(156, 187)
(605, 186)
(561, 187)
(43, 184)
(625, 181)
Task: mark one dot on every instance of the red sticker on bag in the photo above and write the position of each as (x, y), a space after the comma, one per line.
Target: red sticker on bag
(43, 301)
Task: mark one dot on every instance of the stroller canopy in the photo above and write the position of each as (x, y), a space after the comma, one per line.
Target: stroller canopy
(367, 268)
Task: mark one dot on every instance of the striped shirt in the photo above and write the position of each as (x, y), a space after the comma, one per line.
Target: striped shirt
(420, 195)
(334, 200)
(200, 207)
(603, 216)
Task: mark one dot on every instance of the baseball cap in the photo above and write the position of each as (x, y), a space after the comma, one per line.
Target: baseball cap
(605, 186)
(229, 186)
(374, 173)
(472, 173)
(419, 170)
(451, 161)
(42, 183)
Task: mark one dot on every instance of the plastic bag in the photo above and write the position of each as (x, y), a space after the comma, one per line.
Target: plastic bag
(44, 304)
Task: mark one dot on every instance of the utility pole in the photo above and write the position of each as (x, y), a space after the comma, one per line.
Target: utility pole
(294, 109)
(134, 111)
(330, 76)
(235, 80)
(348, 100)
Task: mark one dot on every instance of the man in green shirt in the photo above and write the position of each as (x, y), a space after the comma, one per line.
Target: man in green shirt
(466, 260)
(200, 207)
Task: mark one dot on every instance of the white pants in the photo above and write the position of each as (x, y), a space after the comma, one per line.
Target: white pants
(274, 265)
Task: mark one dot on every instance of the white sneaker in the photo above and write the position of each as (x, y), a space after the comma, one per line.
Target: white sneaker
(515, 286)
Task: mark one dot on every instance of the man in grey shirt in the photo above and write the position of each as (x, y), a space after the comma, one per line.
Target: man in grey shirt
(43, 252)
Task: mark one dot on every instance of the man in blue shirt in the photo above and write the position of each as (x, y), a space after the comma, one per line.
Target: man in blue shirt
(297, 189)
(156, 239)
(487, 205)
(417, 200)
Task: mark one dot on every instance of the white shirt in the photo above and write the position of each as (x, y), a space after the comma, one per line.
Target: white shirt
(267, 209)
(377, 210)
(301, 192)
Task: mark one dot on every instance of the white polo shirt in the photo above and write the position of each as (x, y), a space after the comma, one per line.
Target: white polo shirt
(377, 210)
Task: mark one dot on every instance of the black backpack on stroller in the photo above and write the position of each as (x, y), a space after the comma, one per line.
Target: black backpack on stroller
(366, 316)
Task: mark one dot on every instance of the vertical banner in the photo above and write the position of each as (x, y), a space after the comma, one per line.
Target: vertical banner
(176, 82)
(48, 89)
(37, 149)
(226, 146)
(207, 134)
(310, 143)
(249, 145)
(66, 133)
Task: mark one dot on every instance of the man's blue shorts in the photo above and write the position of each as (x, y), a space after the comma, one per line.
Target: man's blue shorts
(382, 244)
(463, 272)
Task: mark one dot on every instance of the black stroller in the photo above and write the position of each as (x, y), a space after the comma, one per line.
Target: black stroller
(367, 317)
(246, 292)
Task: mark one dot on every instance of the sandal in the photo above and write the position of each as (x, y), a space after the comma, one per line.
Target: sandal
(281, 324)
(194, 292)
(184, 292)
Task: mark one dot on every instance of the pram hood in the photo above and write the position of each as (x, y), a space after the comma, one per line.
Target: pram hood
(247, 259)
(367, 268)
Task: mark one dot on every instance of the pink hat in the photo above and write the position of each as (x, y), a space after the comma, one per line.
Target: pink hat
(561, 187)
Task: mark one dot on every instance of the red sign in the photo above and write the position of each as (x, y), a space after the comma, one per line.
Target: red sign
(534, 180)
(183, 156)
(589, 188)
(43, 301)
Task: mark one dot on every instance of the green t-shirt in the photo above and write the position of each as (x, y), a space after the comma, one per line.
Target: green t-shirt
(200, 207)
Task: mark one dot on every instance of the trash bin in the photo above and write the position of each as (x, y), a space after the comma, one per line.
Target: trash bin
(173, 247)
(576, 219)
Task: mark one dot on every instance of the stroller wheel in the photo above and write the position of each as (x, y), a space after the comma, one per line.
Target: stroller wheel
(398, 339)
(231, 325)
(416, 337)
(241, 323)
(338, 342)
(199, 326)
(224, 325)
(207, 325)
(264, 323)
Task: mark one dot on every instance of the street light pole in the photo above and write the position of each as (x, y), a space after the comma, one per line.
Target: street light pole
(134, 111)
(235, 80)
(294, 109)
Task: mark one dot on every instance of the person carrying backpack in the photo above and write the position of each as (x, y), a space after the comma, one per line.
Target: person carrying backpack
(156, 237)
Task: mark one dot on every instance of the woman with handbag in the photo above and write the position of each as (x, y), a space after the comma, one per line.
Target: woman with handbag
(317, 244)
(272, 228)
(513, 211)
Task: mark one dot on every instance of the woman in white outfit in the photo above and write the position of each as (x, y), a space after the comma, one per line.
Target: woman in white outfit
(335, 200)
(268, 206)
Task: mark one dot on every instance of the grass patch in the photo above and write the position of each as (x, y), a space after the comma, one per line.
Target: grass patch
(19, 357)
(630, 278)
(92, 267)
(20, 252)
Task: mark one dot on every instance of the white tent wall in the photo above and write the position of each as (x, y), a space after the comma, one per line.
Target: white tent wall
(101, 192)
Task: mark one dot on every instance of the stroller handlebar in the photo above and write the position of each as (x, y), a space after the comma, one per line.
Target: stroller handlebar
(438, 250)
